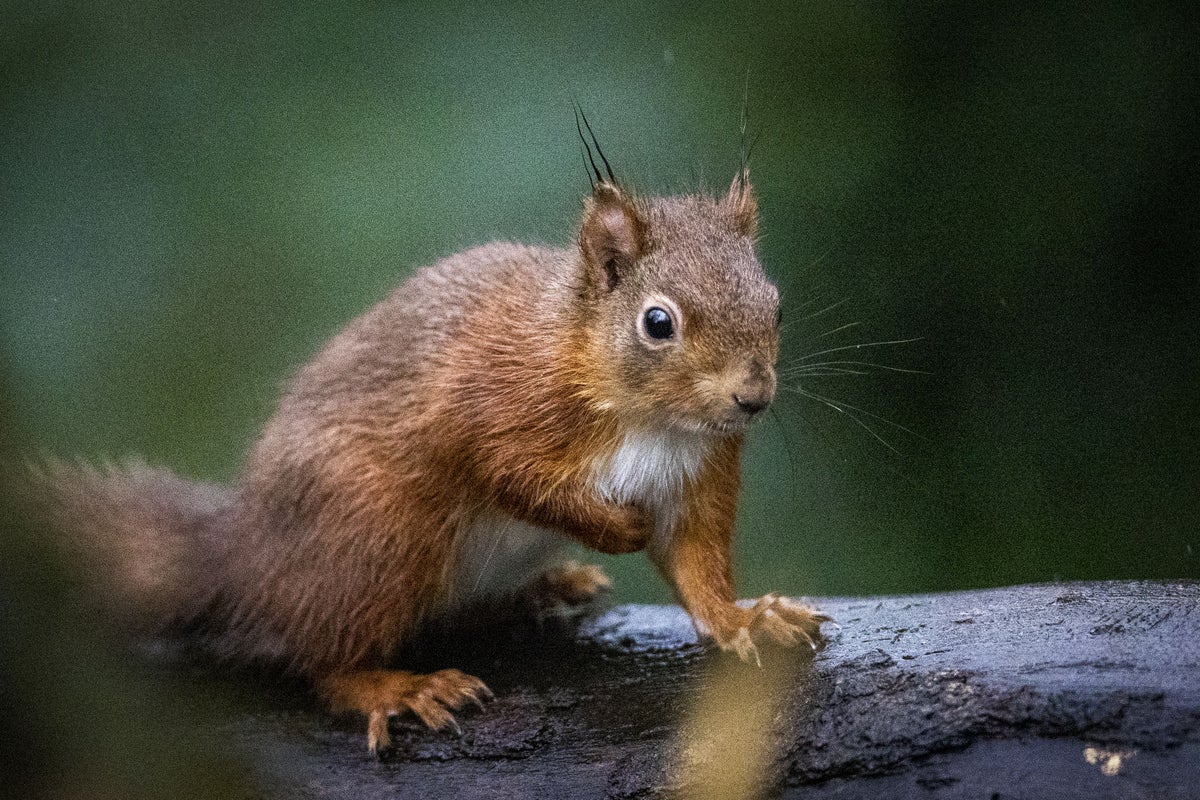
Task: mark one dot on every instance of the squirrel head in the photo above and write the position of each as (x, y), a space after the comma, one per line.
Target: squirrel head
(682, 322)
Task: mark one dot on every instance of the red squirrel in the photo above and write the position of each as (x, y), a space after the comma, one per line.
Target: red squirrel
(446, 446)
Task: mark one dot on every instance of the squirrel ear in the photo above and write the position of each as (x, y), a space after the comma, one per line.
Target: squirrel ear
(612, 236)
(742, 204)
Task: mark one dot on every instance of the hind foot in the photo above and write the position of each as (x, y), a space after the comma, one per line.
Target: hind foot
(381, 694)
(569, 584)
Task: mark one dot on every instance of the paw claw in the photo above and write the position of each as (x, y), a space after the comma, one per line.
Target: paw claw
(744, 646)
(773, 619)
(381, 694)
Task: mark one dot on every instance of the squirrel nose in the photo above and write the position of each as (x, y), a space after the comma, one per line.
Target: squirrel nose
(752, 404)
(754, 388)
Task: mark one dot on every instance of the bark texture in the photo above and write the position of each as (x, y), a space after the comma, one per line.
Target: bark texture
(1055, 691)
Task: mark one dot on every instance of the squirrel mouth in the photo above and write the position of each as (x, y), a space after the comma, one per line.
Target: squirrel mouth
(718, 427)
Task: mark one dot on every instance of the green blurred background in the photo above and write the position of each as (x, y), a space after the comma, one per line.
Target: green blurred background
(196, 197)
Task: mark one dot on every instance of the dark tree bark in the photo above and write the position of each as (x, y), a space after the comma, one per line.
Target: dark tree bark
(1057, 691)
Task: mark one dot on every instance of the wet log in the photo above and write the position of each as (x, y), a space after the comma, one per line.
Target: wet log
(1081, 690)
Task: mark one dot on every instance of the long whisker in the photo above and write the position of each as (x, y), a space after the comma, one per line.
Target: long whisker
(825, 309)
(838, 329)
(843, 410)
(821, 371)
(802, 367)
(501, 530)
(845, 405)
(814, 290)
(859, 347)
(890, 467)
(787, 442)
(816, 261)
(812, 426)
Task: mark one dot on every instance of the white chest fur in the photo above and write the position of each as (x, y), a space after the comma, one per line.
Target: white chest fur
(497, 554)
(650, 468)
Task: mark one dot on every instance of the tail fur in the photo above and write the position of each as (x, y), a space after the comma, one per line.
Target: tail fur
(153, 542)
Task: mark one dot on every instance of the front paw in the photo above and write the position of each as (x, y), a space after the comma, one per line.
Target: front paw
(771, 620)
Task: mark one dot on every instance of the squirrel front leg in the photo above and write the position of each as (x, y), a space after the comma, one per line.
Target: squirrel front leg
(696, 559)
(578, 510)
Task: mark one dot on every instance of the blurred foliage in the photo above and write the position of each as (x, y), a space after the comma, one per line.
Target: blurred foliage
(196, 196)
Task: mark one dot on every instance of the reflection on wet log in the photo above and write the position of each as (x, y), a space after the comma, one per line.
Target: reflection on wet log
(1071, 690)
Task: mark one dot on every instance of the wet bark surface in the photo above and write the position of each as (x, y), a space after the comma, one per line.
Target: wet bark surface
(1056, 691)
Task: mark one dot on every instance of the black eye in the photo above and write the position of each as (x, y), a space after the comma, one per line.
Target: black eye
(658, 323)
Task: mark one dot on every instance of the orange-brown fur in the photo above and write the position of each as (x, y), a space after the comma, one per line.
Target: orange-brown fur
(499, 384)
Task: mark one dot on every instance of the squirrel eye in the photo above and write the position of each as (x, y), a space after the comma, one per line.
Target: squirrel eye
(658, 323)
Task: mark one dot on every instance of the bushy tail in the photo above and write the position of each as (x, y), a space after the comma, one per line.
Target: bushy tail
(154, 542)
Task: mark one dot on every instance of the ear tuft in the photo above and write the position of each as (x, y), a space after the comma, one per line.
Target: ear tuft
(742, 205)
(612, 236)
